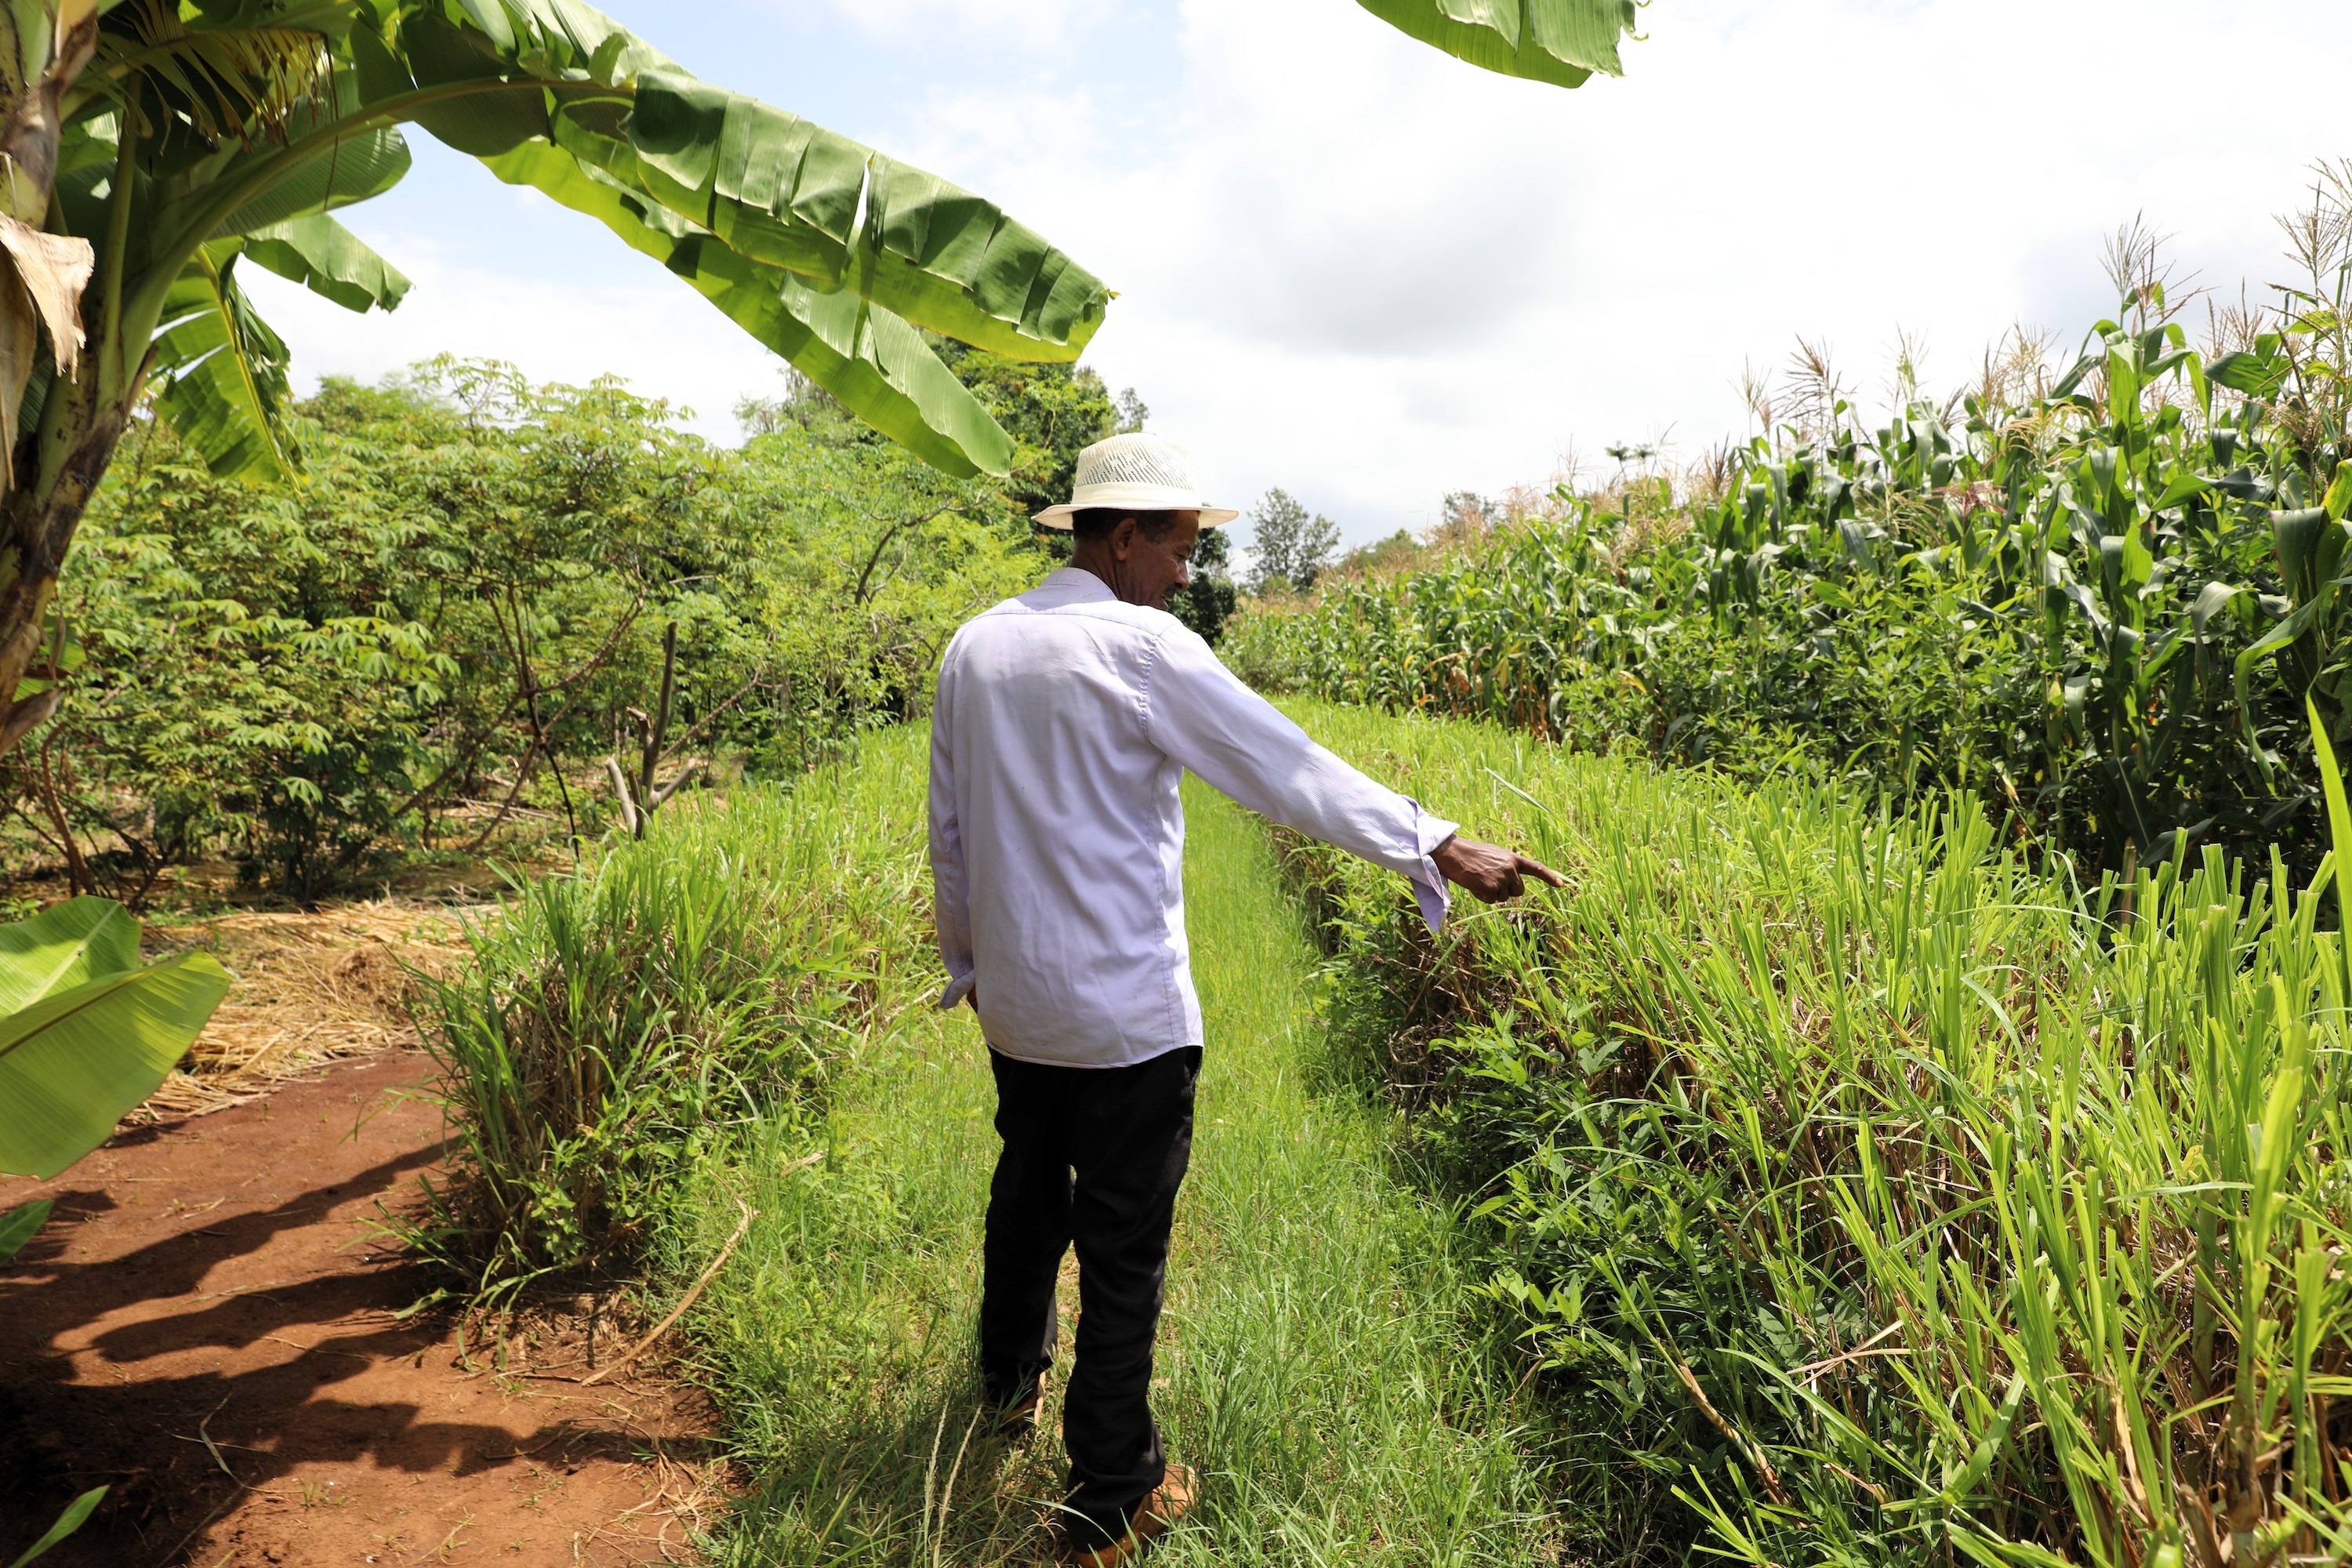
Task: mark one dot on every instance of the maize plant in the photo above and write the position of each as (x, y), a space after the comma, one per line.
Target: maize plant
(2099, 607)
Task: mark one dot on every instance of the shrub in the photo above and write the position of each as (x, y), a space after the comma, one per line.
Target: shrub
(615, 1026)
(477, 583)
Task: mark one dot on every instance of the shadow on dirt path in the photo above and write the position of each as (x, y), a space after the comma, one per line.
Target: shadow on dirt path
(207, 1325)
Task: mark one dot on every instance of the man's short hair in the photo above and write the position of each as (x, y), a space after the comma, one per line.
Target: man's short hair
(1097, 521)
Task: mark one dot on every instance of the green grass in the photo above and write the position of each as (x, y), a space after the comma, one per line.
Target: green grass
(616, 1028)
(1320, 1360)
(1874, 1198)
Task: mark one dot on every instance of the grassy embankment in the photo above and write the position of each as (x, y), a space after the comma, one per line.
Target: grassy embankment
(1870, 1197)
(1315, 1361)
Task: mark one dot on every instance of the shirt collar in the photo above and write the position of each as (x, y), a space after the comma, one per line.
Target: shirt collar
(1077, 584)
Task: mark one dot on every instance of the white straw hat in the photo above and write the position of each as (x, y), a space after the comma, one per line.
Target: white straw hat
(1135, 473)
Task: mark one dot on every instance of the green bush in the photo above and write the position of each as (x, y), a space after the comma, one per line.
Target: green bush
(1868, 1195)
(615, 1027)
(476, 582)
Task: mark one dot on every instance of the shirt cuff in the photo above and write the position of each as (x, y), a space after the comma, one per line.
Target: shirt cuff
(1430, 891)
(959, 987)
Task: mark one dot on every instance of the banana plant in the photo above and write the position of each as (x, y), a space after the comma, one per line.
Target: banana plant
(86, 1034)
(154, 148)
(150, 149)
(1563, 42)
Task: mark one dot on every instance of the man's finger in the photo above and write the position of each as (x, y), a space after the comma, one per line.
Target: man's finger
(1535, 868)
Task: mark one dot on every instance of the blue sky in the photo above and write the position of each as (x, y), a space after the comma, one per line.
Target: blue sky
(1369, 274)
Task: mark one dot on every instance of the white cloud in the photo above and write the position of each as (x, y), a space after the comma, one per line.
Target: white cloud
(1369, 274)
(663, 338)
(1422, 277)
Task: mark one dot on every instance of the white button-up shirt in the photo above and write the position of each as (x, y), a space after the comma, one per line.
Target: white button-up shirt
(1063, 721)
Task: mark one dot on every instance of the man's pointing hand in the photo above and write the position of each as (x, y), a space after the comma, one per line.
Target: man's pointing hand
(1489, 871)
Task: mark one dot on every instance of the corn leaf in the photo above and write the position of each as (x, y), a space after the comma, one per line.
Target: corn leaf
(1563, 42)
(68, 1522)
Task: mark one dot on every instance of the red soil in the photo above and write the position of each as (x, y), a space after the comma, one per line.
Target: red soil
(217, 1279)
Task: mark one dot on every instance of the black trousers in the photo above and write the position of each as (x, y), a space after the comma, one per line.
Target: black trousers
(1092, 1156)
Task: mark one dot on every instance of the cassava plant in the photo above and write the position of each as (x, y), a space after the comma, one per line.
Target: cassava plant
(149, 147)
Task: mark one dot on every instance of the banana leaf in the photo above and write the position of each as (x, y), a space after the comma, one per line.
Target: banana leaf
(92, 1035)
(1563, 42)
(18, 1225)
(225, 384)
(64, 946)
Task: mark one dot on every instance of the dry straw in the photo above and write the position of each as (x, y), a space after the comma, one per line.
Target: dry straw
(311, 989)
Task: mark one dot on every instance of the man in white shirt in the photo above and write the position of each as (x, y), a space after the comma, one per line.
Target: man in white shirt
(1063, 721)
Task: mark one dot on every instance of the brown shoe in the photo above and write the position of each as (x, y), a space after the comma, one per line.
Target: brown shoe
(1016, 1418)
(1154, 1516)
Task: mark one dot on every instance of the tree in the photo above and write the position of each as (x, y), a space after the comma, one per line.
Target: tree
(1207, 602)
(1399, 551)
(150, 148)
(1291, 546)
(1052, 412)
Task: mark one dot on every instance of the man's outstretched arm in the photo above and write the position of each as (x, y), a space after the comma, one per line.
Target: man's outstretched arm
(1201, 716)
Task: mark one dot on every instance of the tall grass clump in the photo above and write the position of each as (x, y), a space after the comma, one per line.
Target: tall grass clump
(613, 1028)
(1867, 1194)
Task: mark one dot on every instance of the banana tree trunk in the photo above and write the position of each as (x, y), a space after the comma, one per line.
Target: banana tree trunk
(37, 518)
(48, 479)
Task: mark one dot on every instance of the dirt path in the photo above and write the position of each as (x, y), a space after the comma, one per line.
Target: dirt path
(216, 1279)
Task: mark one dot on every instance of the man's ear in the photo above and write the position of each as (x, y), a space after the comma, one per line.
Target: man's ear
(1122, 538)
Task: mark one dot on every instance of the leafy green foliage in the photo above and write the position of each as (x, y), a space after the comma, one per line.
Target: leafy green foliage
(1052, 412)
(1866, 1194)
(85, 1032)
(18, 1225)
(1207, 602)
(466, 602)
(616, 1026)
(827, 251)
(1561, 42)
(77, 1513)
(2098, 602)
(1289, 547)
